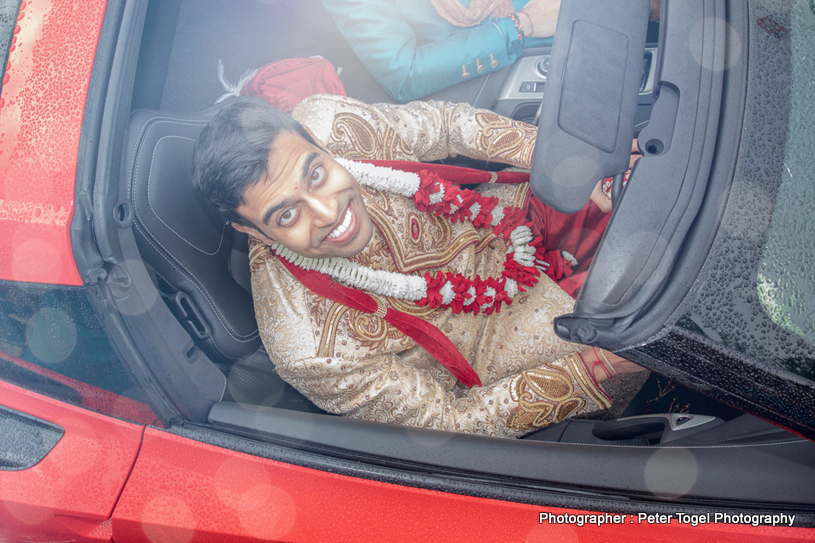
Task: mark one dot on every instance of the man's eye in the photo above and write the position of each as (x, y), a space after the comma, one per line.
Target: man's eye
(317, 175)
(287, 217)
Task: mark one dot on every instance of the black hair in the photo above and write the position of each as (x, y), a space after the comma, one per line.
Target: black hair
(232, 153)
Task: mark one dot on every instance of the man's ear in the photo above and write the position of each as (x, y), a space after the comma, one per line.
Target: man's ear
(254, 232)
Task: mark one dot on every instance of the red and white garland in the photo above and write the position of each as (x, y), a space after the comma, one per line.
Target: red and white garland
(524, 261)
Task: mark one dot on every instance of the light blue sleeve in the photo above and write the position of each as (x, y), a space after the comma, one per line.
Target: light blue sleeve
(409, 68)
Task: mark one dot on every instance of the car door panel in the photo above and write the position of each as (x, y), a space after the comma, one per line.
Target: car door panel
(182, 489)
(70, 493)
(593, 465)
(185, 489)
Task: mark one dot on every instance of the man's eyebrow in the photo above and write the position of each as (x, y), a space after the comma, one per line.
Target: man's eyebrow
(268, 215)
(306, 167)
(307, 164)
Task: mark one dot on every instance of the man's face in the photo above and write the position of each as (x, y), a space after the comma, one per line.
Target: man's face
(308, 202)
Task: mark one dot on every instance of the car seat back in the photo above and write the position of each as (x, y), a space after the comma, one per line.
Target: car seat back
(189, 247)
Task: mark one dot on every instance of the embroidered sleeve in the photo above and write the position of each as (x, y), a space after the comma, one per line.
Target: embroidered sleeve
(444, 129)
(423, 131)
(352, 129)
(385, 389)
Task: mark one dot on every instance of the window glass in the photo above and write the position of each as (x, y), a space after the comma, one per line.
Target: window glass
(786, 277)
(757, 291)
(51, 342)
(8, 24)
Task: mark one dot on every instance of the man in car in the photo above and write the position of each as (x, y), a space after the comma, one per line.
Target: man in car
(391, 295)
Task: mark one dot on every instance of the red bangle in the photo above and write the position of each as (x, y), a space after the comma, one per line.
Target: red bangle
(518, 28)
(531, 24)
(611, 370)
(597, 363)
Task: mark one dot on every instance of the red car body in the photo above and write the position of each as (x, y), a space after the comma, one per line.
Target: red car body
(43, 102)
(110, 479)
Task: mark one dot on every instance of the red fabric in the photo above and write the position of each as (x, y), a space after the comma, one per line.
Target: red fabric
(422, 332)
(578, 233)
(285, 83)
(436, 343)
(454, 174)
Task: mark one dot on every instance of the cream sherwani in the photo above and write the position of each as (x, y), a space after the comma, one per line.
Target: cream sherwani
(356, 364)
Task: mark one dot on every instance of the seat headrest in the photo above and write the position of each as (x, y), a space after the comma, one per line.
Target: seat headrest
(181, 238)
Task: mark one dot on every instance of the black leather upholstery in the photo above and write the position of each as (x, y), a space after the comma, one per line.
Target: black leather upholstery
(180, 238)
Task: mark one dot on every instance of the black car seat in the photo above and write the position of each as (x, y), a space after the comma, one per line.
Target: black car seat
(200, 263)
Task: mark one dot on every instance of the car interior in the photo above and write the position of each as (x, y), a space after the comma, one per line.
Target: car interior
(178, 276)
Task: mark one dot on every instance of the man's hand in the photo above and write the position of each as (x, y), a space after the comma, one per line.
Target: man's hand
(539, 18)
(621, 365)
(598, 360)
(599, 197)
(653, 11)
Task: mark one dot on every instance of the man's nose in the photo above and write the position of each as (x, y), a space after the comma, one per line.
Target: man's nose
(323, 210)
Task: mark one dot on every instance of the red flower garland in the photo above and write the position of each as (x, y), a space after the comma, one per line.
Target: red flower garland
(474, 295)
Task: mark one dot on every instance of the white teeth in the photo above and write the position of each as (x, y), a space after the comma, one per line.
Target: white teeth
(340, 230)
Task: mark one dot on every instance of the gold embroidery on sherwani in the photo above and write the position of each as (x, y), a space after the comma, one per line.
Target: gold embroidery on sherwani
(485, 241)
(372, 328)
(368, 327)
(259, 253)
(423, 311)
(417, 241)
(329, 333)
(256, 251)
(544, 395)
(521, 195)
(362, 139)
(501, 138)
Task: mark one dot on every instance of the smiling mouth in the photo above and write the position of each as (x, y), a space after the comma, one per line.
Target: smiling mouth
(343, 227)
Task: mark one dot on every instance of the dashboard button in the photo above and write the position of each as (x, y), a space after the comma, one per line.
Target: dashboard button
(528, 86)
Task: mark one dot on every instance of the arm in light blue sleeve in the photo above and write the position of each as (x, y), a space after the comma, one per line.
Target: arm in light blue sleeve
(406, 69)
